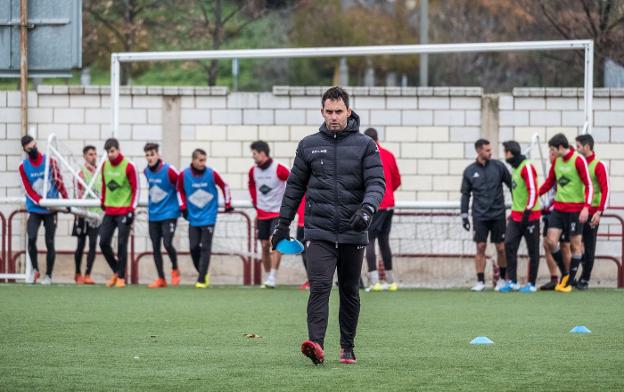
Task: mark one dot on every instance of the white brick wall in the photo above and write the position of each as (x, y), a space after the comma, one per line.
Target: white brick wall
(430, 130)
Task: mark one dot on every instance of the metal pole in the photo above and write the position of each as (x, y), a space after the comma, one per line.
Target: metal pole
(588, 93)
(115, 94)
(424, 39)
(24, 64)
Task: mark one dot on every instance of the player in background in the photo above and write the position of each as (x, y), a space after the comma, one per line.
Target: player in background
(163, 212)
(267, 181)
(120, 194)
(573, 198)
(484, 179)
(199, 203)
(84, 229)
(524, 220)
(564, 242)
(32, 173)
(382, 221)
(600, 182)
(301, 238)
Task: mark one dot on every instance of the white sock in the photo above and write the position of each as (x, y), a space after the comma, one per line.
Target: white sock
(389, 277)
(373, 277)
(272, 275)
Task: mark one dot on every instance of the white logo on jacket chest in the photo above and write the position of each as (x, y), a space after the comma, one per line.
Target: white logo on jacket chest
(476, 175)
(200, 198)
(157, 194)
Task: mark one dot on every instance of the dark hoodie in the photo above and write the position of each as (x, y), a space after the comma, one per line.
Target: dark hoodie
(338, 172)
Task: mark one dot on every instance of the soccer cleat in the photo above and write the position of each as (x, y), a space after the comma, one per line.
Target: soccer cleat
(377, 287)
(207, 279)
(78, 279)
(347, 356)
(549, 286)
(393, 287)
(563, 286)
(175, 277)
(36, 276)
(268, 284)
(88, 280)
(111, 282)
(158, 283)
(528, 288)
(120, 283)
(305, 286)
(508, 287)
(500, 284)
(582, 285)
(314, 351)
(47, 281)
(200, 285)
(480, 286)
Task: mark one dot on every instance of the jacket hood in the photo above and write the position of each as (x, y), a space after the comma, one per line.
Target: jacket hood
(353, 125)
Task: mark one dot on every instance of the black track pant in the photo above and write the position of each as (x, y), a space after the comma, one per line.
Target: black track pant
(380, 231)
(323, 258)
(301, 238)
(86, 232)
(200, 245)
(513, 235)
(590, 235)
(162, 232)
(32, 228)
(110, 223)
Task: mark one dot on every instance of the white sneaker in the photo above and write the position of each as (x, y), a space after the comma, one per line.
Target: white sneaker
(47, 281)
(480, 286)
(268, 284)
(500, 284)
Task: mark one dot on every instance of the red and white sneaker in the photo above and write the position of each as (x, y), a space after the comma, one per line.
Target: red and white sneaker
(36, 276)
(347, 356)
(314, 351)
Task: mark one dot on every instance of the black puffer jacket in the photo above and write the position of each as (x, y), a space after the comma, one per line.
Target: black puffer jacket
(338, 172)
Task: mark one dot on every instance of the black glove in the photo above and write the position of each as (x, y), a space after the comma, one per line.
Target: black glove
(128, 218)
(281, 232)
(362, 218)
(466, 223)
(185, 214)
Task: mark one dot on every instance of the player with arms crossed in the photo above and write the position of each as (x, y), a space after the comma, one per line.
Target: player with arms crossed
(340, 172)
(570, 175)
(120, 194)
(32, 174)
(600, 183)
(267, 181)
(524, 220)
(199, 203)
(484, 179)
(163, 212)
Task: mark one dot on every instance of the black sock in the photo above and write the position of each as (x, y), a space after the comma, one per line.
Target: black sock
(502, 271)
(559, 260)
(481, 277)
(574, 265)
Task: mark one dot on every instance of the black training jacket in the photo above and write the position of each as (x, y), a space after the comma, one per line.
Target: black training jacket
(485, 183)
(338, 172)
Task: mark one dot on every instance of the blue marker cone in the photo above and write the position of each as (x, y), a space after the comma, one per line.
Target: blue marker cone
(481, 340)
(289, 247)
(580, 329)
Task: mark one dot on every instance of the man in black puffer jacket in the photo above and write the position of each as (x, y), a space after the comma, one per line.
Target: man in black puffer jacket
(340, 172)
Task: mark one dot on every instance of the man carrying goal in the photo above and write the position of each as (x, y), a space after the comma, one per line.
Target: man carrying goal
(120, 189)
(84, 228)
(32, 174)
(163, 212)
(573, 199)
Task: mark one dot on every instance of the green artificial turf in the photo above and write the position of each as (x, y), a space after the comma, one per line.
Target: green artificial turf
(92, 338)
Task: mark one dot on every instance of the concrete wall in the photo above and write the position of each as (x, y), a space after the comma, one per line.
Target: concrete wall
(430, 130)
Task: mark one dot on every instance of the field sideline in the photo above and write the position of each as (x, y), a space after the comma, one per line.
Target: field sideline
(93, 338)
